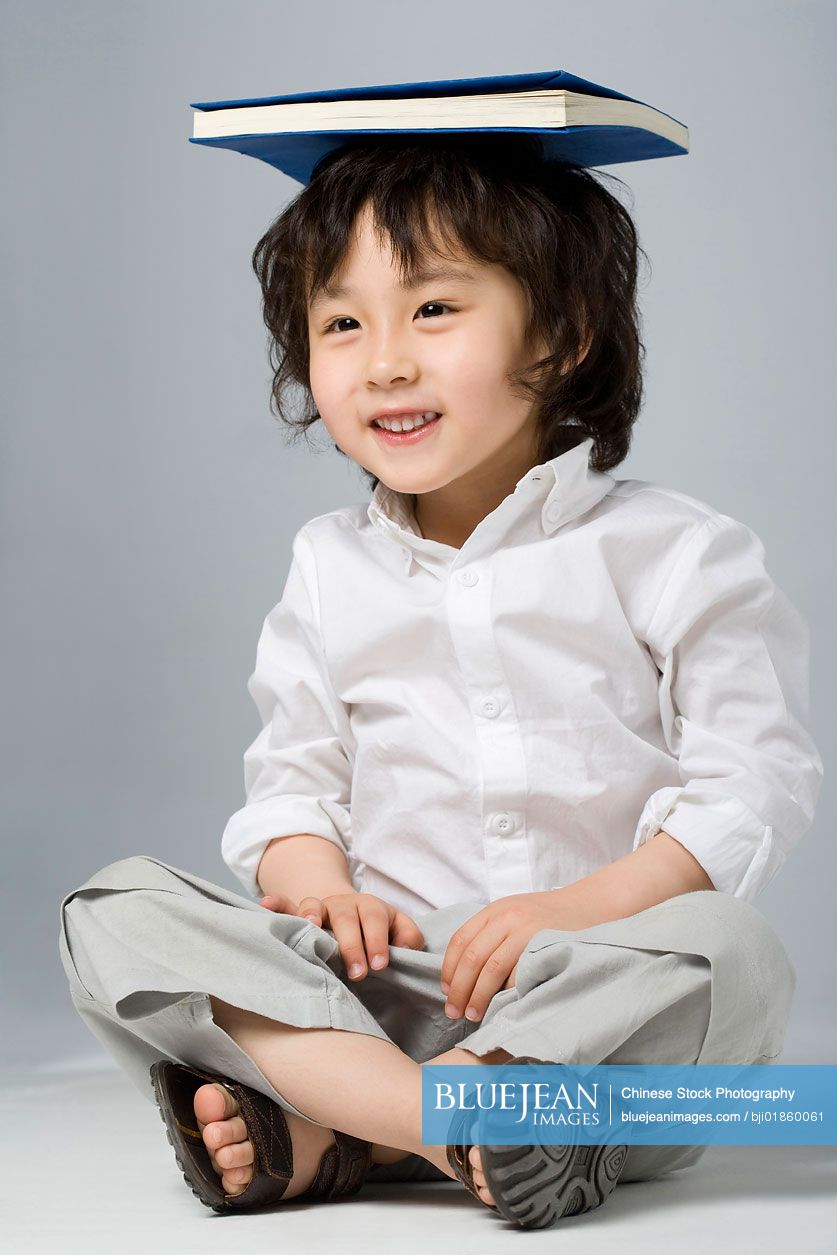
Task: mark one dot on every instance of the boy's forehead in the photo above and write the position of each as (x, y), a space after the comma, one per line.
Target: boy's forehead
(442, 258)
(463, 272)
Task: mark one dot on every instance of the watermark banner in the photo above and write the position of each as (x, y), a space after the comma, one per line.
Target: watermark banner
(789, 1104)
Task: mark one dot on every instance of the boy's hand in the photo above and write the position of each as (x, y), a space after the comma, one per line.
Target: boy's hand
(481, 956)
(355, 918)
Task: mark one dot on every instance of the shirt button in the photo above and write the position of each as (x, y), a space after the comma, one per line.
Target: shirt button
(490, 707)
(468, 577)
(553, 511)
(502, 823)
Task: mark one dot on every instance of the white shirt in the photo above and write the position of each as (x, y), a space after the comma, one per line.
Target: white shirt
(602, 659)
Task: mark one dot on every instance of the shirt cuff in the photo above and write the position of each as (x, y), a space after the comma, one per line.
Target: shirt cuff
(736, 850)
(249, 831)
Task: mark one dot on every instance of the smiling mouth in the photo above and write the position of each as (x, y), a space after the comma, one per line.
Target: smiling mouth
(407, 437)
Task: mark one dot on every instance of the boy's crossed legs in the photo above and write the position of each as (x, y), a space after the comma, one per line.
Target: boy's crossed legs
(379, 1101)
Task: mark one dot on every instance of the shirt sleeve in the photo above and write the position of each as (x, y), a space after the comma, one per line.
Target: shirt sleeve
(733, 655)
(297, 775)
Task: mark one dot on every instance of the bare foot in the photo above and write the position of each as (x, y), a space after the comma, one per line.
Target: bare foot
(479, 1177)
(438, 1157)
(231, 1151)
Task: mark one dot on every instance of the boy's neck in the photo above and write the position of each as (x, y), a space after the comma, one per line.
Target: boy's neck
(449, 524)
(449, 515)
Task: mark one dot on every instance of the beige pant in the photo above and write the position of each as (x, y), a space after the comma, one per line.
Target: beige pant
(701, 978)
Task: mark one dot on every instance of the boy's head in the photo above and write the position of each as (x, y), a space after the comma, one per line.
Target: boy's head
(533, 336)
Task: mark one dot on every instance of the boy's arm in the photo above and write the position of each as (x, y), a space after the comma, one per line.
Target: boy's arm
(732, 652)
(303, 865)
(297, 771)
(660, 869)
(732, 655)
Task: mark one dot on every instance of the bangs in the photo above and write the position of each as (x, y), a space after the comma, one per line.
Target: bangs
(423, 212)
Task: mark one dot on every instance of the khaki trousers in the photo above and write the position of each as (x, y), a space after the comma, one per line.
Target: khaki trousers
(701, 978)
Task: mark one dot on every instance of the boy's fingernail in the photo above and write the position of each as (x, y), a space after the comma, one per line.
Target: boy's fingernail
(355, 970)
(472, 1014)
(451, 1011)
(445, 987)
(312, 918)
(378, 961)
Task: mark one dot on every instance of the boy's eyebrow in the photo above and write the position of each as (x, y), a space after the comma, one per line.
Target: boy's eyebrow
(431, 274)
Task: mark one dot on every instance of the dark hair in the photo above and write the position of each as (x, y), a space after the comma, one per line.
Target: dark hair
(567, 240)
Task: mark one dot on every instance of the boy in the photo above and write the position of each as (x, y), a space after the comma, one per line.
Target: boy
(510, 683)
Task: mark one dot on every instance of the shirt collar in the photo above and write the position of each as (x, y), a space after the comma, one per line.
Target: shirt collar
(555, 491)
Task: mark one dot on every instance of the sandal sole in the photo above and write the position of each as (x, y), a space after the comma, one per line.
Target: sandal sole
(535, 1186)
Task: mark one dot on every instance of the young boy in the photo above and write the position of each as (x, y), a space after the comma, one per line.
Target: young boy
(533, 737)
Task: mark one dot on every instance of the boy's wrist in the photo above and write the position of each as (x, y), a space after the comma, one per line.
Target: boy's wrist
(653, 873)
(317, 892)
(303, 865)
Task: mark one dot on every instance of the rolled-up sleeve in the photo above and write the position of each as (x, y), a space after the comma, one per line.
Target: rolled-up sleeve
(297, 775)
(733, 654)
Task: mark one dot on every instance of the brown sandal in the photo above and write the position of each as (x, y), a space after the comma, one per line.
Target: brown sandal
(342, 1171)
(534, 1186)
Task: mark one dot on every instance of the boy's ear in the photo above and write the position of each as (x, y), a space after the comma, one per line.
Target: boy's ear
(588, 339)
(585, 348)
(580, 355)
(544, 349)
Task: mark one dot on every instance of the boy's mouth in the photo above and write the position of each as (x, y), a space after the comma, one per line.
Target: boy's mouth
(421, 429)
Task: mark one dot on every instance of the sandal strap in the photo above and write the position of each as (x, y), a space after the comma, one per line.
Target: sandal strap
(268, 1130)
(343, 1168)
(457, 1151)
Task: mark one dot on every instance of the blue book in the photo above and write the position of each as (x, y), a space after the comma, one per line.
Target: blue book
(577, 120)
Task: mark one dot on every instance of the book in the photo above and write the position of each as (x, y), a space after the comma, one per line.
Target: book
(576, 120)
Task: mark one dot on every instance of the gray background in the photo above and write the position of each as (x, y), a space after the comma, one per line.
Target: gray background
(148, 496)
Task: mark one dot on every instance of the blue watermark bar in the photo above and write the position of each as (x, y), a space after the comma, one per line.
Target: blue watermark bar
(784, 1104)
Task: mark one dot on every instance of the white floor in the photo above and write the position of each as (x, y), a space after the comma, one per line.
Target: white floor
(86, 1167)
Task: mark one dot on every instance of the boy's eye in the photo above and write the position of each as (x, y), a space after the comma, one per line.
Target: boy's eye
(435, 305)
(427, 305)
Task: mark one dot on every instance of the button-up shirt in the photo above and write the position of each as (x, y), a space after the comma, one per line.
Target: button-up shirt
(601, 660)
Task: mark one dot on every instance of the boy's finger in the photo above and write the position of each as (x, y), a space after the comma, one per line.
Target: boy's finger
(471, 970)
(489, 981)
(457, 946)
(279, 903)
(374, 920)
(406, 932)
(347, 932)
(311, 908)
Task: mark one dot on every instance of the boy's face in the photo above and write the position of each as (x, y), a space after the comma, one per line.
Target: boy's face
(445, 346)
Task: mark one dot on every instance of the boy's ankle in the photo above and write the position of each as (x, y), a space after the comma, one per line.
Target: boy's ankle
(387, 1154)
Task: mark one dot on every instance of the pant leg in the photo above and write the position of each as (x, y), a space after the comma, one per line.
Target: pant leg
(143, 944)
(700, 978)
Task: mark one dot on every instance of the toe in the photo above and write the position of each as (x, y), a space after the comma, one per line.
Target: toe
(235, 1180)
(214, 1102)
(237, 1155)
(475, 1160)
(225, 1133)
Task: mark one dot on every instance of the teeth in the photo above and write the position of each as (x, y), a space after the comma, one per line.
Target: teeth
(405, 424)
